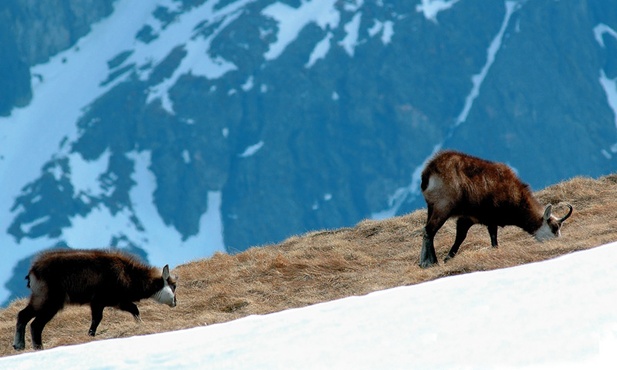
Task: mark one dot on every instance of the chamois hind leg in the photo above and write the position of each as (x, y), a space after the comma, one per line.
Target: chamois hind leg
(131, 308)
(492, 232)
(43, 315)
(462, 227)
(23, 317)
(434, 222)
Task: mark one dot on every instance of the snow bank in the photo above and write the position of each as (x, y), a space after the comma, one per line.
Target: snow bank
(554, 314)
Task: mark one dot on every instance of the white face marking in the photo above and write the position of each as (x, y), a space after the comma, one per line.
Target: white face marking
(165, 296)
(544, 233)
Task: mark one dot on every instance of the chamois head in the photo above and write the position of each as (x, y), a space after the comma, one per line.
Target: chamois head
(167, 295)
(551, 225)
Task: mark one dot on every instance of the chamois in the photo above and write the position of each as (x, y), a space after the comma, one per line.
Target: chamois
(479, 192)
(101, 278)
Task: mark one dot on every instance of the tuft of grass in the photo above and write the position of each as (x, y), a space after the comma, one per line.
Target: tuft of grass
(330, 264)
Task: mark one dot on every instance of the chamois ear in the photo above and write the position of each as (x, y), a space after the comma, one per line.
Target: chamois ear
(166, 272)
(547, 212)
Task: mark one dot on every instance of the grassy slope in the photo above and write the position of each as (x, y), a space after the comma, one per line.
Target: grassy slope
(326, 265)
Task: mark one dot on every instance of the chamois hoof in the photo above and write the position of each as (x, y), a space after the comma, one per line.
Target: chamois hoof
(448, 258)
(426, 264)
(19, 347)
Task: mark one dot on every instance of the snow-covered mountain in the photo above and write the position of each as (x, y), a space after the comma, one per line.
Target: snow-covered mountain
(557, 314)
(176, 128)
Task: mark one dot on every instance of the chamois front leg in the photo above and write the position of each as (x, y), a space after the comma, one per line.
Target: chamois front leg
(492, 232)
(97, 316)
(434, 222)
(428, 257)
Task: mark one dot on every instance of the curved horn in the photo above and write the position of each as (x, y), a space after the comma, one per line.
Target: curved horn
(561, 220)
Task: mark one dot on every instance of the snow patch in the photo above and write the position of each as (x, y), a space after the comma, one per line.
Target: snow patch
(197, 61)
(609, 85)
(351, 38)
(375, 29)
(292, 20)
(353, 6)
(27, 227)
(385, 28)
(478, 79)
(388, 32)
(320, 51)
(248, 85)
(610, 89)
(556, 314)
(170, 247)
(85, 174)
(430, 8)
(606, 154)
(600, 30)
(186, 156)
(251, 150)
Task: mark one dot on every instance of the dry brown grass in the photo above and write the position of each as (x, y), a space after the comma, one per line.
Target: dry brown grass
(326, 265)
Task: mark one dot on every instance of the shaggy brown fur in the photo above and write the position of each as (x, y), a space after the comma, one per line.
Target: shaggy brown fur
(479, 192)
(100, 278)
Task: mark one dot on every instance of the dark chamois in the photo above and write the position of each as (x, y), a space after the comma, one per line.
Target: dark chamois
(96, 277)
(479, 192)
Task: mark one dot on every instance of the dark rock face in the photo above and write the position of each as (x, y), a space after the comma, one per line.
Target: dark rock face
(295, 143)
(31, 31)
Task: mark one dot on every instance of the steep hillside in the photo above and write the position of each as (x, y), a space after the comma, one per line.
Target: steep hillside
(331, 264)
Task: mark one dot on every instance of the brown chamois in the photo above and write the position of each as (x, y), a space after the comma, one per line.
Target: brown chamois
(479, 192)
(101, 278)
